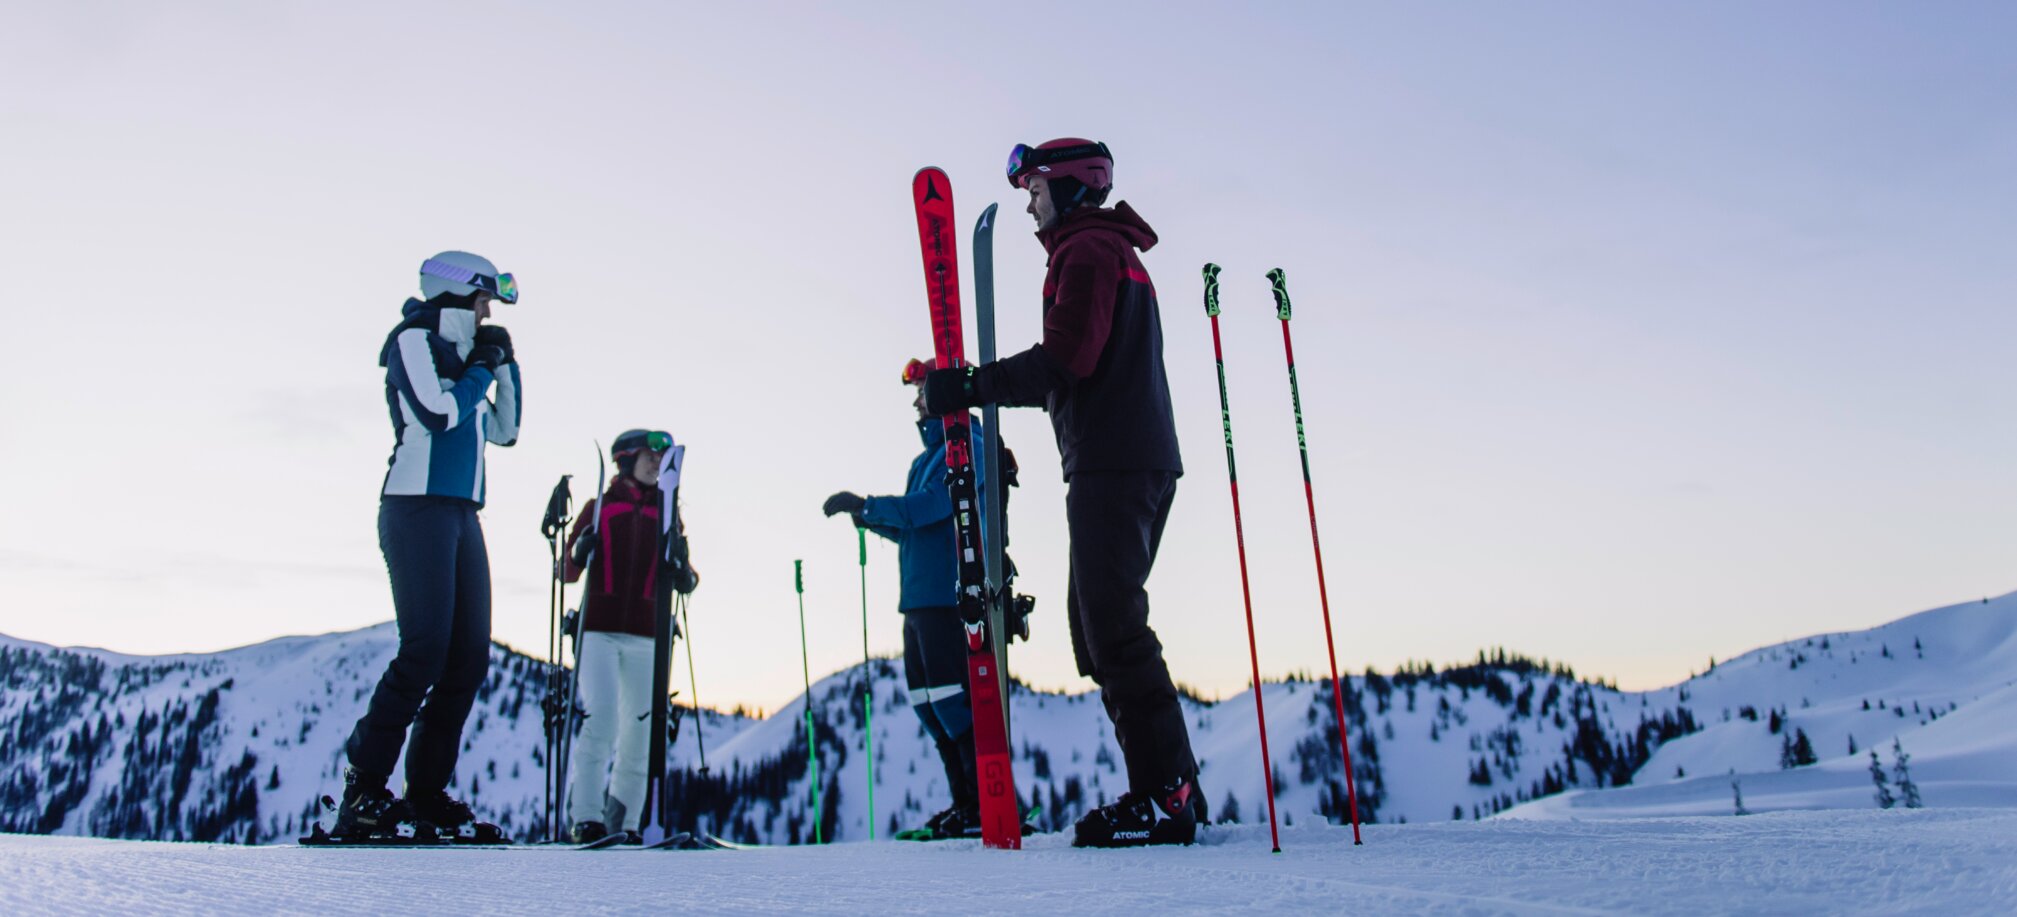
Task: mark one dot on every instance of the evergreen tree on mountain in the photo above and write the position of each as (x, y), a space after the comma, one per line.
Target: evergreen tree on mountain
(1899, 768)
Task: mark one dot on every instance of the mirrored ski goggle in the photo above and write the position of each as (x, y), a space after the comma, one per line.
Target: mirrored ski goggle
(503, 286)
(656, 441)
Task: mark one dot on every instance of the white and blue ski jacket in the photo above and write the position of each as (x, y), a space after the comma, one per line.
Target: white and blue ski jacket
(440, 412)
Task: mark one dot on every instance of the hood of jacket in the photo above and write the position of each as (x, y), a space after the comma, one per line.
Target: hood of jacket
(1120, 218)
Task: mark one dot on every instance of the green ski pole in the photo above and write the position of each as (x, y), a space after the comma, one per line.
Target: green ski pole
(805, 659)
(867, 679)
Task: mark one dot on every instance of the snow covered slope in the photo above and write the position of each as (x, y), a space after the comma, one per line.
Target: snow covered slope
(1954, 861)
(236, 746)
(1942, 685)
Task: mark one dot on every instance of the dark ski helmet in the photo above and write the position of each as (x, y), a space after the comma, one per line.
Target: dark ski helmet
(1087, 161)
(631, 442)
(464, 274)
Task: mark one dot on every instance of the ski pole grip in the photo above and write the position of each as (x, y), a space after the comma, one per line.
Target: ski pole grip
(798, 575)
(556, 509)
(861, 544)
(1211, 288)
(1281, 285)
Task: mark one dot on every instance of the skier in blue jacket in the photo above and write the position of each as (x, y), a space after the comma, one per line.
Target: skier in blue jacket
(442, 366)
(934, 640)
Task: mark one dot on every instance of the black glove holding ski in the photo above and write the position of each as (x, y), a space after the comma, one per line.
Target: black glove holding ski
(949, 391)
(685, 579)
(844, 502)
(496, 336)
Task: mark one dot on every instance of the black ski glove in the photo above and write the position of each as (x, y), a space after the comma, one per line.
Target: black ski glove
(685, 579)
(843, 502)
(496, 336)
(949, 391)
(488, 356)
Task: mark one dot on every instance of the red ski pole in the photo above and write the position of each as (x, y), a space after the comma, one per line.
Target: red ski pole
(1279, 280)
(1240, 541)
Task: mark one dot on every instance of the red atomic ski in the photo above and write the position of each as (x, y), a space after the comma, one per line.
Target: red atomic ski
(1001, 823)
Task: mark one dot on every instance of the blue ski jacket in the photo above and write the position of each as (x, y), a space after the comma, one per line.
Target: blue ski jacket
(920, 521)
(441, 413)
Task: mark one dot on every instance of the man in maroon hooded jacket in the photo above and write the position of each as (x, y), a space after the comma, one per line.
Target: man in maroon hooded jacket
(1099, 374)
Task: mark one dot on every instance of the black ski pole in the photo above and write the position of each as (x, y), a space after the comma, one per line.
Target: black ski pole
(1240, 541)
(554, 526)
(1279, 281)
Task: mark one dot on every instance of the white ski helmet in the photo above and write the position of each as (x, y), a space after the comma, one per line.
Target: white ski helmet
(464, 274)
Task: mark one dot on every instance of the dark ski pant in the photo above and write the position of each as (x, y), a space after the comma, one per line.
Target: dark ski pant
(441, 594)
(1116, 521)
(935, 672)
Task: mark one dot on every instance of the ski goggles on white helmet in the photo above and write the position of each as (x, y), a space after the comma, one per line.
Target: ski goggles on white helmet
(503, 286)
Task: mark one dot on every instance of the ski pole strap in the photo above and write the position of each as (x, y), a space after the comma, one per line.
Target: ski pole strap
(1281, 286)
(1211, 289)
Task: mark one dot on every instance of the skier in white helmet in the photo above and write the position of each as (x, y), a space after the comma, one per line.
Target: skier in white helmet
(451, 386)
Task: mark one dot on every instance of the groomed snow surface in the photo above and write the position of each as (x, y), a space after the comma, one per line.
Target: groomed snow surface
(1945, 861)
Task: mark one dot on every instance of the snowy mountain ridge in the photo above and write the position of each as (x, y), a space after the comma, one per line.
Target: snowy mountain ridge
(237, 746)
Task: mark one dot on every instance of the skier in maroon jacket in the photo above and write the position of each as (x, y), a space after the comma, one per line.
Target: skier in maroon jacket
(1099, 374)
(620, 530)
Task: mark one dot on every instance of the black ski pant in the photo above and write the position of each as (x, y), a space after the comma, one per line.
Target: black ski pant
(440, 574)
(935, 672)
(1116, 521)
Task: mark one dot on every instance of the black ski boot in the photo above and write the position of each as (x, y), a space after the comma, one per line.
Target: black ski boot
(369, 810)
(452, 819)
(588, 832)
(956, 822)
(1136, 820)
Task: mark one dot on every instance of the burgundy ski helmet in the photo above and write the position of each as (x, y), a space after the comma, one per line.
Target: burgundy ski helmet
(1089, 161)
(915, 371)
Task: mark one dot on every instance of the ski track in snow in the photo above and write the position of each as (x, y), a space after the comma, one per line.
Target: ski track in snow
(1950, 861)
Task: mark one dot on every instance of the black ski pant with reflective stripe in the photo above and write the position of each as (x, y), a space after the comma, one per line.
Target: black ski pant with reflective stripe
(440, 574)
(1116, 520)
(935, 671)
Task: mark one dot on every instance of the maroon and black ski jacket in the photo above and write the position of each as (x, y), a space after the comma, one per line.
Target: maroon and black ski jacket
(1099, 369)
(622, 581)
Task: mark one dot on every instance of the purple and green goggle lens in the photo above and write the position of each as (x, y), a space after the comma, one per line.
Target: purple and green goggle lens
(502, 286)
(1015, 163)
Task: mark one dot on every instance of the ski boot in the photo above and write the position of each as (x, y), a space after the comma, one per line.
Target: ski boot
(369, 811)
(588, 832)
(954, 822)
(1136, 819)
(452, 820)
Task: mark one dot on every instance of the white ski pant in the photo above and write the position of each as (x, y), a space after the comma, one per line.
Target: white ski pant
(615, 672)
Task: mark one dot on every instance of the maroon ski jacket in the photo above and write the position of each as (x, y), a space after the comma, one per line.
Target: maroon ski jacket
(1099, 369)
(623, 580)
